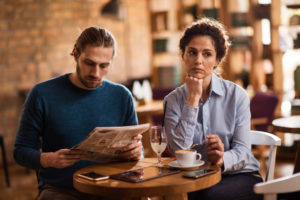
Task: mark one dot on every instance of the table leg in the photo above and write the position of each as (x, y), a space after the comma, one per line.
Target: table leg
(297, 159)
(176, 197)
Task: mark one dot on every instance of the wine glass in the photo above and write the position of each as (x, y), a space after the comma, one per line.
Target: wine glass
(158, 142)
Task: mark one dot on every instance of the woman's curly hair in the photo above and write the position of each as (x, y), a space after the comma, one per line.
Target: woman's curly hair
(207, 27)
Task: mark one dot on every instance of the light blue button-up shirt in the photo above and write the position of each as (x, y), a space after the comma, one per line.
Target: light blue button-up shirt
(226, 113)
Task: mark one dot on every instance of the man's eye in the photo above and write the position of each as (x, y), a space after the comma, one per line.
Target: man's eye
(105, 65)
(89, 63)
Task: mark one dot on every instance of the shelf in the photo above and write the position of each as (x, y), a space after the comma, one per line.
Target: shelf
(241, 31)
(293, 6)
(166, 59)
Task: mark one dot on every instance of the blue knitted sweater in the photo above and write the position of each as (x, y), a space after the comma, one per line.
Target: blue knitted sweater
(57, 115)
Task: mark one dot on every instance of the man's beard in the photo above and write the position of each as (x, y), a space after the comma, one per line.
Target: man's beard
(85, 82)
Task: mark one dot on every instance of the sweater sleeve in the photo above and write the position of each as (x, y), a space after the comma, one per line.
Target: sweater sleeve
(26, 147)
(131, 116)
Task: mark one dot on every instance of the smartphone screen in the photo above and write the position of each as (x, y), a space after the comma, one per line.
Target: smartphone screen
(199, 173)
(93, 176)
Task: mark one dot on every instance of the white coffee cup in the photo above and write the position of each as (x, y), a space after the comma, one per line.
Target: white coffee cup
(187, 157)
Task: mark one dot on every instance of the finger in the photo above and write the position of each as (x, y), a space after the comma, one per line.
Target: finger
(211, 142)
(76, 151)
(69, 156)
(132, 146)
(217, 153)
(65, 153)
(138, 137)
(68, 163)
(194, 78)
(134, 153)
(64, 163)
(213, 139)
(72, 157)
(215, 144)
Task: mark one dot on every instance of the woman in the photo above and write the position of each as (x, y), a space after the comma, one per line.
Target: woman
(212, 115)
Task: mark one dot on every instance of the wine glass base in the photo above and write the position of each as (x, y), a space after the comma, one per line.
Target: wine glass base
(160, 165)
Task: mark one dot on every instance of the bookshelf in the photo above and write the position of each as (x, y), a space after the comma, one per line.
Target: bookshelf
(165, 36)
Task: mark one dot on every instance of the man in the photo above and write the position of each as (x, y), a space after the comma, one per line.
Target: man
(62, 111)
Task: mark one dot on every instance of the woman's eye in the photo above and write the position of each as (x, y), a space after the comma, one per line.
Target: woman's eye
(192, 53)
(207, 54)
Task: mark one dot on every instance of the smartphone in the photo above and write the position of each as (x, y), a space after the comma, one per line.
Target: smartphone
(144, 174)
(200, 173)
(93, 176)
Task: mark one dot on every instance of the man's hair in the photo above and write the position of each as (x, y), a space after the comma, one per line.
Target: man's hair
(94, 36)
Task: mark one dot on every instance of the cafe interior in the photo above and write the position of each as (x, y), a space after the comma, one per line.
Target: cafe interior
(37, 37)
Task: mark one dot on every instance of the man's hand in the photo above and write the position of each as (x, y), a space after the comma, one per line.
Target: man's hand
(134, 150)
(194, 86)
(61, 158)
(215, 149)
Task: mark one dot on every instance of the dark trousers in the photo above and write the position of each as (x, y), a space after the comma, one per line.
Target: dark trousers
(289, 196)
(231, 187)
(50, 192)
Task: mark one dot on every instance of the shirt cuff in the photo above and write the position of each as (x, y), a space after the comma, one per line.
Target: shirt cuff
(189, 114)
(227, 162)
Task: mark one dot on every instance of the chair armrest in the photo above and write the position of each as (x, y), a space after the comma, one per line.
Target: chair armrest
(259, 121)
(280, 185)
(264, 138)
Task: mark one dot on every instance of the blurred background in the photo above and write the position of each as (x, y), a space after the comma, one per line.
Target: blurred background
(37, 37)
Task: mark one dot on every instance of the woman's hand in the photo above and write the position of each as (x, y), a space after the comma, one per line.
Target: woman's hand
(134, 150)
(194, 86)
(215, 149)
(61, 158)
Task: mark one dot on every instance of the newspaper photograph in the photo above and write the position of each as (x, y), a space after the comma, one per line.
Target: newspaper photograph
(104, 144)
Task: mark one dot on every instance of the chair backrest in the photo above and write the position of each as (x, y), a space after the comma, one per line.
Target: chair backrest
(271, 188)
(263, 104)
(159, 94)
(264, 138)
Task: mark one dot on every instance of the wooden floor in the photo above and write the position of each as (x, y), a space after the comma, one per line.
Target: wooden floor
(24, 183)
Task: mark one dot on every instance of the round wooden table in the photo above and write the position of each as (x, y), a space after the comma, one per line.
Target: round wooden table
(169, 187)
(289, 125)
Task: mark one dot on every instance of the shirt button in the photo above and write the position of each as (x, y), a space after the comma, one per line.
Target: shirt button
(206, 127)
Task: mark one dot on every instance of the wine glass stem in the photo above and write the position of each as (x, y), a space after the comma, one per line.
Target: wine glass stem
(159, 160)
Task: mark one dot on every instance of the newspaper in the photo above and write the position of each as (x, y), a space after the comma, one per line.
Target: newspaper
(104, 144)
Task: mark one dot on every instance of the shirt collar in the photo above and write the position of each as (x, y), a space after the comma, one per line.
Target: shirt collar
(216, 85)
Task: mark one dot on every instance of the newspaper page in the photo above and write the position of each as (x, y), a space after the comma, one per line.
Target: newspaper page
(104, 144)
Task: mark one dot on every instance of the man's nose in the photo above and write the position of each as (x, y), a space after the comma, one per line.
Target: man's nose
(95, 71)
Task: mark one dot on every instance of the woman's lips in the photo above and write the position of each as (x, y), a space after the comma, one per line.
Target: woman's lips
(197, 70)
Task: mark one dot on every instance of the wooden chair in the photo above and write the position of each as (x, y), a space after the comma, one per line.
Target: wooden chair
(287, 184)
(262, 108)
(264, 138)
(159, 94)
(4, 161)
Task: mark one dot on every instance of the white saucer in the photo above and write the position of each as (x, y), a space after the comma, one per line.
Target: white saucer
(176, 165)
